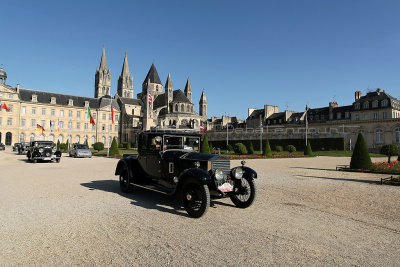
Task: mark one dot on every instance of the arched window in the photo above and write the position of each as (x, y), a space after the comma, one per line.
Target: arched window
(176, 107)
(77, 139)
(182, 108)
(103, 140)
(93, 140)
(109, 141)
(8, 138)
(51, 137)
(22, 137)
(397, 135)
(32, 137)
(60, 138)
(188, 108)
(379, 136)
(42, 137)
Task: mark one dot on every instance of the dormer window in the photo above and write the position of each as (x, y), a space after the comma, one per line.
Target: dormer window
(384, 103)
(70, 102)
(34, 98)
(357, 106)
(375, 104)
(86, 104)
(339, 115)
(53, 100)
(366, 105)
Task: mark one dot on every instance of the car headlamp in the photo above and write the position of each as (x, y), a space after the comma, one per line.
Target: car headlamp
(41, 150)
(219, 174)
(238, 173)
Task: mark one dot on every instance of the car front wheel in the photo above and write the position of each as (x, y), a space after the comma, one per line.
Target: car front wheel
(244, 193)
(124, 182)
(196, 198)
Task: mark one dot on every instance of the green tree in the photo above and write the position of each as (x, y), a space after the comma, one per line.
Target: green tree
(308, 150)
(360, 158)
(390, 150)
(58, 145)
(128, 146)
(211, 147)
(251, 149)
(86, 142)
(205, 148)
(291, 148)
(98, 146)
(278, 148)
(230, 148)
(267, 150)
(114, 148)
(240, 149)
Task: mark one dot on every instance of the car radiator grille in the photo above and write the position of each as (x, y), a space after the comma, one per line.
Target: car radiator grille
(225, 165)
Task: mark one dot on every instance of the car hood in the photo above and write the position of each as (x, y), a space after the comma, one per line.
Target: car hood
(200, 156)
(83, 150)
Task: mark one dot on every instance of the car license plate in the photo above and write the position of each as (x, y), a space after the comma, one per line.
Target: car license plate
(47, 159)
(226, 187)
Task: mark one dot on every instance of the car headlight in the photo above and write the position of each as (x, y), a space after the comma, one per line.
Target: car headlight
(238, 173)
(41, 150)
(219, 174)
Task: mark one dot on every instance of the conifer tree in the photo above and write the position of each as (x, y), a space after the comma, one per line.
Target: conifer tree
(205, 148)
(251, 149)
(360, 158)
(267, 150)
(308, 150)
(114, 148)
(211, 147)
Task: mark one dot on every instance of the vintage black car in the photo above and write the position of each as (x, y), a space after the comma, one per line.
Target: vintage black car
(24, 148)
(16, 146)
(170, 162)
(44, 151)
(2, 146)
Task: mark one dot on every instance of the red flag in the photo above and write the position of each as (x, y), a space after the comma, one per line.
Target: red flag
(6, 107)
(203, 129)
(90, 117)
(112, 115)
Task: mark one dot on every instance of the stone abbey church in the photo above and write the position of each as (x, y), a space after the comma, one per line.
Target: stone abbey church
(64, 117)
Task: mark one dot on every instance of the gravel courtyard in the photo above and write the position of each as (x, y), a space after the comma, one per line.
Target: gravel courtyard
(306, 213)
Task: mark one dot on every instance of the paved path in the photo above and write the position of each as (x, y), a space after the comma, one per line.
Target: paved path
(73, 213)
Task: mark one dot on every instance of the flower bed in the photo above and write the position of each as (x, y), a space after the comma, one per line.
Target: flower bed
(233, 157)
(102, 154)
(379, 167)
(392, 181)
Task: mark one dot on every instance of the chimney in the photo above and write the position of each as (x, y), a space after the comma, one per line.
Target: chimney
(333, 104)
(379, 90)
(17, 88)
(357, 95)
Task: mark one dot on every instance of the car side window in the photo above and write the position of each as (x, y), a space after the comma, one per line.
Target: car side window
(155, 143)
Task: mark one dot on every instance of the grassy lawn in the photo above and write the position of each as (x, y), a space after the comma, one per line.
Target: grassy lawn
(122, 151)
(333, 153)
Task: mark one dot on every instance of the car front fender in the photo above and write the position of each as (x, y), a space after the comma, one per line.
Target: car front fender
(199, 174)
(249, 173)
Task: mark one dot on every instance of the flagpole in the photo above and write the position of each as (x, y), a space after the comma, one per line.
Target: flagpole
(108, 137)
(261, 132)
(306, 126)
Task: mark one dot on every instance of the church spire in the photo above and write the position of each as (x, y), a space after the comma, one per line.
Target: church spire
(103, 62)
(125, 66)
(168, 84)
(169, 92)
(203, 105)
(188, 90)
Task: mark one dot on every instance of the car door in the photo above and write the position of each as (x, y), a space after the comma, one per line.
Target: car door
(153, 156)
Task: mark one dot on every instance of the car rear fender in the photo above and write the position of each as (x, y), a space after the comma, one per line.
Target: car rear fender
(249, 173)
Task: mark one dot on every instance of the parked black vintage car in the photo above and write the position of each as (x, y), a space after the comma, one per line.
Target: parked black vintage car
(2, 146)
(16, 146)
(24, 148)
(43, 150)
(170, 162)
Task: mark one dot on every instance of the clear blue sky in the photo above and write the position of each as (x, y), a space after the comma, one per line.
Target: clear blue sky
(244, 53)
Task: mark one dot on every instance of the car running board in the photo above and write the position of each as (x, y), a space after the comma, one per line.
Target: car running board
(155, 188)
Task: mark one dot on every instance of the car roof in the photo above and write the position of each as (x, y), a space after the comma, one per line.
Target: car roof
(172, 132)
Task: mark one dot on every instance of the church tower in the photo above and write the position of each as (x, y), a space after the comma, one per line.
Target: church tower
(188, 90)
(168, 92)
(125, 81)
(203, 105)
(102, 83)
(152, 83)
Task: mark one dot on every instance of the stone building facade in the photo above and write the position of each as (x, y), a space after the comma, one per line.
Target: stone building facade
(376, 115)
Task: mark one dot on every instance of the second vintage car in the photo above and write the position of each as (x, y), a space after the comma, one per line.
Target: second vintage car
(170, 162)
(43, 151)
(80, 151)
(24, 148)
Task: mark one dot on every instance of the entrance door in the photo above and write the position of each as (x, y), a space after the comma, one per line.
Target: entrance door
(8, 139)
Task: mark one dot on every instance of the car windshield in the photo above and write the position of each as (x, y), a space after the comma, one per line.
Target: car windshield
(182, 142)
(79, 146)
(44, 144)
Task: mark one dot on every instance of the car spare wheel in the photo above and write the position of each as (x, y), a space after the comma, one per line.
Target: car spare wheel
(195, 198)
(244, 193)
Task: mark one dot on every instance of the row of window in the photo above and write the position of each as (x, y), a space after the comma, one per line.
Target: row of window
(375, 104)
(52, 137)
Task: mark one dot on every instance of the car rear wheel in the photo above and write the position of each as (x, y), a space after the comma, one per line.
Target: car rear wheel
(196, 198)
(244, 193)
(124, 181)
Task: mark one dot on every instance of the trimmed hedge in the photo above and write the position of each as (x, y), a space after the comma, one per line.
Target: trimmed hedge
(360, 158)
(278, 149)
(318, 144)
(267, 150)
(240, 149)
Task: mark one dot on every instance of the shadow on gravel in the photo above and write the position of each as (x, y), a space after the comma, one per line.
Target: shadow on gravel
(318, 169)
(26, 160)
(140, 197)
(342, 179)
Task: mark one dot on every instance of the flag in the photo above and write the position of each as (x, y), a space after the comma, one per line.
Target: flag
(112, 113)
(90, 117)
(306, 120)
(203, 129)
(6, 107)
(149, 109)
(39, 128)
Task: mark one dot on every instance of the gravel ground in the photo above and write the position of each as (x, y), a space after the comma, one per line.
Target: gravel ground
(306, 213)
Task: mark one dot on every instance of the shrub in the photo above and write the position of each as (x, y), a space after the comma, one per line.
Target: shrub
(205, 148)
(390, 150)
(360, 158)
(121, 145)
(278, 148)
(63, 147)
(229, 148)
(308, 150)
(98, 146)
(58, 145)
(128, 146)
(86, 143)
(267, 151)
(211, 147)
(290, 148)
(240, 149)
(114, 148)
(251, 149)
